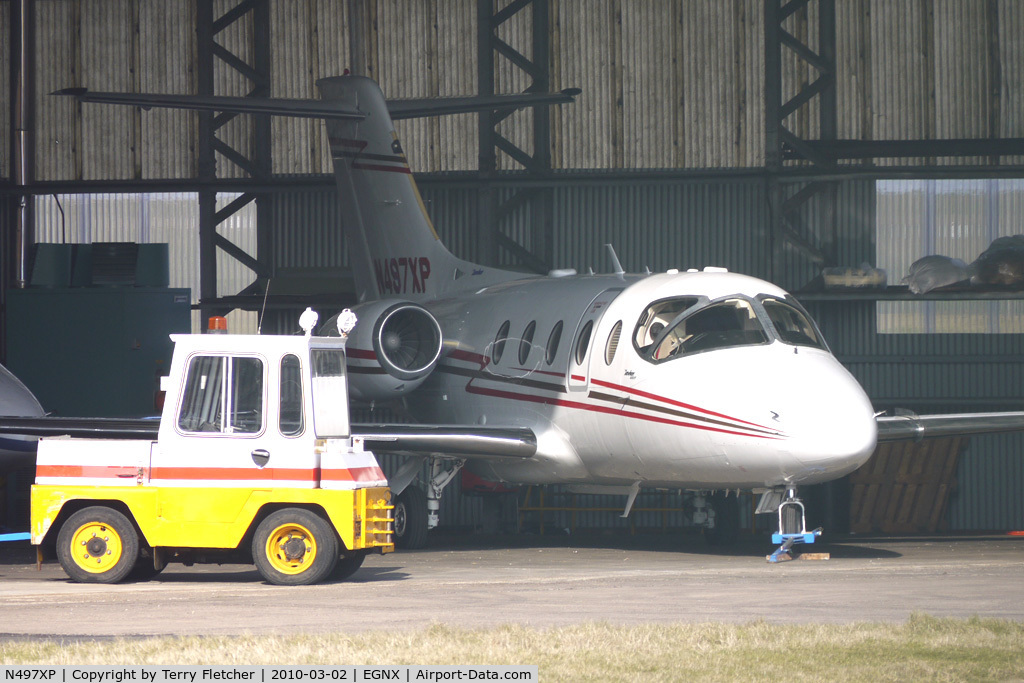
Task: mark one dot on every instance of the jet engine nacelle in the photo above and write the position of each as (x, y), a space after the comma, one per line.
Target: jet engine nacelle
(391, 351)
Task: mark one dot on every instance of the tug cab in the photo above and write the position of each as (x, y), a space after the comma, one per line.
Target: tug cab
(254, 462)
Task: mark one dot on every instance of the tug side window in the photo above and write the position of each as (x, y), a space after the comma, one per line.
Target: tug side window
(223, 394)
(291, 396)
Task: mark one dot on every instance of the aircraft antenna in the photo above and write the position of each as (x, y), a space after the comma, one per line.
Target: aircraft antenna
(263, 309)
(615, 260)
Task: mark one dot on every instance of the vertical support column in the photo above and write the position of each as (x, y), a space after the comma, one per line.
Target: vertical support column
(542, 208)
(22, 136)
(487, 204)
(14, 252)
(536, 201)
(259, 167)
(262, 152)
(786, 200)
(773, 123)
(207, 171)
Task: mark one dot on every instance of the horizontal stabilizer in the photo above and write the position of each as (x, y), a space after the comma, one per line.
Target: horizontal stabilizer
(901, 427)
(312, 109)
(440, 106)
(321, 109)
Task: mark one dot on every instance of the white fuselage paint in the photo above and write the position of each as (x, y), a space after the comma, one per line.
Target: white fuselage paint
(740, 417)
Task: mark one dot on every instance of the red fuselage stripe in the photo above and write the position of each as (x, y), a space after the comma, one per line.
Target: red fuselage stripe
(512, 396)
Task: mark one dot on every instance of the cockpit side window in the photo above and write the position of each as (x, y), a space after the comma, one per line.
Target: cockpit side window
(792, 324)
(728, 323)
(656, 318)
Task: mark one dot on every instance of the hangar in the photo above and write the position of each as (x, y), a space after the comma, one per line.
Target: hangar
(787, 140)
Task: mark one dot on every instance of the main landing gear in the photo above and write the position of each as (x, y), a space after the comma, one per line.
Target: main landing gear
(415, 510)
(791, 519)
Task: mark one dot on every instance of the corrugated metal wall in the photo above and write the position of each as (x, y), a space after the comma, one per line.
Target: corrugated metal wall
(171, 218)
(661, 225)
(665, 85)
(5, 87)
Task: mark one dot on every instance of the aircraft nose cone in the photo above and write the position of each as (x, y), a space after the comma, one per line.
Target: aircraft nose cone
(828, 418)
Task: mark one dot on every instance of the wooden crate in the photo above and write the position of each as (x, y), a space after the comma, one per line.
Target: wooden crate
(905, 486)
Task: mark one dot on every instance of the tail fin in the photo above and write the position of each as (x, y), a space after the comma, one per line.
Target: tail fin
(394, 249)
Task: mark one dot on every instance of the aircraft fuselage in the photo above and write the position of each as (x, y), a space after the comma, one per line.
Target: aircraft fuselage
(740, 404)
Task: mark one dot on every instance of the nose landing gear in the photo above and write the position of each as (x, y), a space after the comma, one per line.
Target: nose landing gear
(792, 526)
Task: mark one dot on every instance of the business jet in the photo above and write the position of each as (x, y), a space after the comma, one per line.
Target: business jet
(698, 380)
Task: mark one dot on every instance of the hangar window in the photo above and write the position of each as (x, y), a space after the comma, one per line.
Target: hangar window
(583, 343)
(224, 395)
(526, 342)
(498, 347)
(947, 219)
(553, 339)
(728, 323)
(613, 343)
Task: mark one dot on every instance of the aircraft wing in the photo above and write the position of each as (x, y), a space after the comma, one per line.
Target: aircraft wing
(917, 427)
(407, 439)
(488, 443)
(82, 427)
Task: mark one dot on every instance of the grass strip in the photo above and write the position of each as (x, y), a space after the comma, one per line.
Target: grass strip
(923, 648)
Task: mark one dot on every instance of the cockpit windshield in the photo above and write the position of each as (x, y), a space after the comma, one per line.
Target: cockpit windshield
(792, 324)
(732, 322)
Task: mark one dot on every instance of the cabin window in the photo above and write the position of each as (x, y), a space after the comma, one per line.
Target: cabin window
(553, 339)
(583, 343)
(224, 395)
(526, 342)
(613, 343)
(728, 323)
(499, 342)
(291, 422)
(792, 324)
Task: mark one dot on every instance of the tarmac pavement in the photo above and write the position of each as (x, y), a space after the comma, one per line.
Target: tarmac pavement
(477, 582)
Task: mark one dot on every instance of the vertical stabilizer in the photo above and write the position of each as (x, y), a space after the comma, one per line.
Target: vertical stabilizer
(394, 250)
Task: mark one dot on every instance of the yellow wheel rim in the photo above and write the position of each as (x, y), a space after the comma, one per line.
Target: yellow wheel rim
(96, 547)
(291, 549)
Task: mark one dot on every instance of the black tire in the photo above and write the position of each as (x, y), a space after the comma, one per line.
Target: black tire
(98, 545)
(410, 519)
(727, 520)
(144, 569)
(294, 547)
(791, 521)
(348, 565)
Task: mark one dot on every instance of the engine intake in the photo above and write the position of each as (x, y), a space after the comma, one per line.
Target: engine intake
(392, 350)
(407, 340)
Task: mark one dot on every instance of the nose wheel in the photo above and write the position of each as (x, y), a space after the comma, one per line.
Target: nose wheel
(792, 528)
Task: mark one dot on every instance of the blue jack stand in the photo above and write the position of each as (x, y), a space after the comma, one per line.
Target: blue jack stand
(788, 541)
